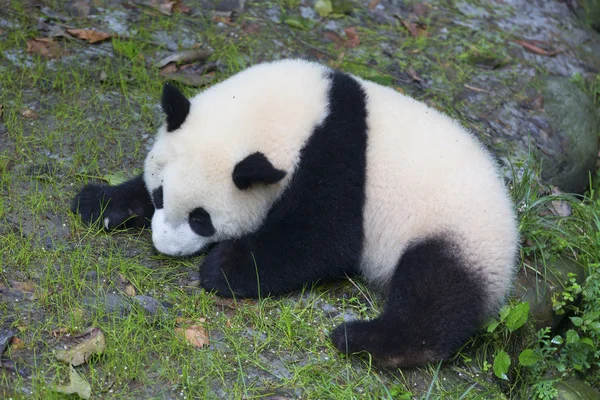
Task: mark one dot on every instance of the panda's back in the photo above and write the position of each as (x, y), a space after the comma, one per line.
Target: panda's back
(427, 177)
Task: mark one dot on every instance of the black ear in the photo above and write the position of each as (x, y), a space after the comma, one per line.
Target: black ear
(175, 105)
(256, 168)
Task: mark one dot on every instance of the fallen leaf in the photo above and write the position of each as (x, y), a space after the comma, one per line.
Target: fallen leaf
(415, 29)
(29, 113)
(532, 48)
(373, 4)
(80, 353)
(45, 47)
(413, 74)
(17, 343)
(194, 335)
(77, 385)
(23, 286)
(165, 8)
(352, 36)
(323, 7)
(226, 20)
(58, 332)
(181, 8)
(90, 35)
(130, 290)
(335, 38)
(184, 56)
(476, 89)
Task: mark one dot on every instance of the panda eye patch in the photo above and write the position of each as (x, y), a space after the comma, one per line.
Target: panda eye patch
(200, 222)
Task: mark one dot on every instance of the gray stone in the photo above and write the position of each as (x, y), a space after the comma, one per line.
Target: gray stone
(576, 389)
(5, 336)
(572, 134)
(150, 304)
(112, 303)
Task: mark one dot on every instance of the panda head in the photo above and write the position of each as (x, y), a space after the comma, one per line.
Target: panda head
(206, 184)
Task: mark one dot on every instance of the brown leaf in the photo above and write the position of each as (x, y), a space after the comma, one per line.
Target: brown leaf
(352, 36)
(184, 57)
(413, 74)
(16, 343)
(194, 335)
(90, 35)
(58, 332)
(23, 286)
(226, 20)
(45, 47)
(532, 48)
(335, 38)
(29, 113)
(130, 290)
(373, 4)
(250, 27)
(181, 8)
(169, 68)
(415, 28)
(476, 89)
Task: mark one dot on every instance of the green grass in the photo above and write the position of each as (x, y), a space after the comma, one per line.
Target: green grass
(89, 128)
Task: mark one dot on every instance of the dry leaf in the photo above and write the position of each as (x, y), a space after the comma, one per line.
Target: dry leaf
(130, 290)
(352, 36)
(184, 57)
(76, 385)
(81, 353)
(58, 332)
(29, 114)
(16, 343)
(90, 35)
(532, 48)
(23, 286)
(335, 38)
(476, 89)
(413, 74)
(46, 47)
(181, 8)
(373, 4)
(194, 335)
(415, 28)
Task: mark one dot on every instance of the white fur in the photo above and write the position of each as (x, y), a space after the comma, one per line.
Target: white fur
(226, 123)
(426, 175)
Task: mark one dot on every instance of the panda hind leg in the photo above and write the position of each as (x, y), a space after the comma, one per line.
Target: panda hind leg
(435, 303)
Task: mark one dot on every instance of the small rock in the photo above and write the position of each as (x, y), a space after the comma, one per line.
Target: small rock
(112, 303)
(5, 336)
(150, 304)
(576, 389)
(573, 122)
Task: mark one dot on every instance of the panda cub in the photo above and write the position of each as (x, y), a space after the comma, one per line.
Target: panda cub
(297, 173)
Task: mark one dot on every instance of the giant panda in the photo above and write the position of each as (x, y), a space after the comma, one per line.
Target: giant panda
(292, 173)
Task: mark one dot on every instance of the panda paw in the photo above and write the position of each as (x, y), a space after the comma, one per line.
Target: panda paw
(348, 337)
(104, 205)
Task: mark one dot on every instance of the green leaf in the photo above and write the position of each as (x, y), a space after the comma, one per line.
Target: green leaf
(323, 7)
(587, 341)
(77, 385)
(504, 312)
(576, 321)
(492, 326)
(517, 316)
(115, 179)
(501, 365)
(572, 336)
(529, 357)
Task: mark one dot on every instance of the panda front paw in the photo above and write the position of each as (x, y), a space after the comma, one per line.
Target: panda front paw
(106, 206)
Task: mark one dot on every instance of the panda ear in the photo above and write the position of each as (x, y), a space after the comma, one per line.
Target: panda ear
(175, 105)
(256, 168)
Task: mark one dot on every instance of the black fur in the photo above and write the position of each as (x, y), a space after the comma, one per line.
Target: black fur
(435, 304)
(255, 168)
(127, 205)
(200, 222)
(314, 231)
(175, 105)
(157, 197)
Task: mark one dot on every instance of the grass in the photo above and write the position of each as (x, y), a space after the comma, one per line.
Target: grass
(89, 128)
